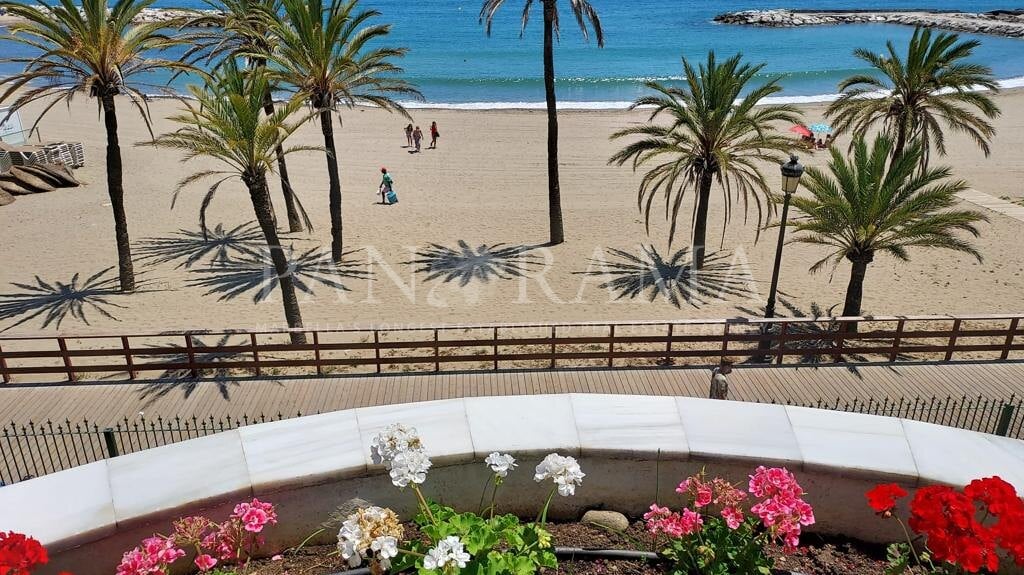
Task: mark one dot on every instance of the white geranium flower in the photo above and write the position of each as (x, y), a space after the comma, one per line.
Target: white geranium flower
(349, 540)
(409, 467)
(501, 464)
(435, 558)
(385, 548)
(563, 470)
(394, 439)
(456, 552)
(448, 550)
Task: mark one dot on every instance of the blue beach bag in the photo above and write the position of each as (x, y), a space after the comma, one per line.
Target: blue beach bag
(392, 197)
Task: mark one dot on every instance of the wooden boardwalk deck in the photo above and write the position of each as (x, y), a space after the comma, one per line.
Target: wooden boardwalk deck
(105, 404)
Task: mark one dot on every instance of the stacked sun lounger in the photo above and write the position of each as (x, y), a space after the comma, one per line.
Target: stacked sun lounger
(5, 161)
(71, 154)
(24, 155)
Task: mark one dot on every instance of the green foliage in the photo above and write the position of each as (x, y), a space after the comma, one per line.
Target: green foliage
(95, 49)
(931, 84)
(713, 135)
(499, 545)
(868, 204)
(718, 550)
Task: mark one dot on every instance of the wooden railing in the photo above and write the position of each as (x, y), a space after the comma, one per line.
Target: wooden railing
(512, 346)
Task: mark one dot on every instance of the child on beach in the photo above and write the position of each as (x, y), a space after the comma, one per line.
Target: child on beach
(386, 184)
(408, 136)
(434, 135)
(417, 135)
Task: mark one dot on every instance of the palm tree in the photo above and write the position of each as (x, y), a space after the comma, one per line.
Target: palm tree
(584, 13)
(713, 136)
(931, 86)
(321, 48)
(227, 123)
(97, 50)
(240, 28)
(862, 206)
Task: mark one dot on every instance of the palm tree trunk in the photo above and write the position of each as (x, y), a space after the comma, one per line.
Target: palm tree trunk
(115, 188)
(700, 224)
(260, 195)
(855, 290)
(294, 221)
(554, 191)
(327, 125)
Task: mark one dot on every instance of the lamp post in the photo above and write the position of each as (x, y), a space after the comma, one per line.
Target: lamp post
(791, 172)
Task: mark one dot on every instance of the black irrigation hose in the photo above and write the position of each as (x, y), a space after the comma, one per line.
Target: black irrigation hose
(572, 552)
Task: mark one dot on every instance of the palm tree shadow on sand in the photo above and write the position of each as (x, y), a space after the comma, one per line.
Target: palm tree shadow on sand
(189, 247)
(465, 263)
(254, 272)
(56, 301)
(182, 379)
(674, 279)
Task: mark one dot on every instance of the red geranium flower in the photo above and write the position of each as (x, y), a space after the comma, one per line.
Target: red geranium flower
(20, 554)
(883, 497)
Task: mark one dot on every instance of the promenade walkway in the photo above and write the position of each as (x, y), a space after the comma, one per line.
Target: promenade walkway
(993, 203)
(105, 404)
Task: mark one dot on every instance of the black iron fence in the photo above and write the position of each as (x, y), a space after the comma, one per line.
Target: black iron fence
(34, 449)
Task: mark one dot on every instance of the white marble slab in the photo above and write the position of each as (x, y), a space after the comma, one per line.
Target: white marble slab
(60, 506)
(304, 451)
(625, 426)
(956, 457)
(1014, 447)
(178, 475)
(853, 444)
(524, 424)
(441, 424)
(735, 430)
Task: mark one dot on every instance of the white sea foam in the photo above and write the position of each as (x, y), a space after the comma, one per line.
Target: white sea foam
(621, 105)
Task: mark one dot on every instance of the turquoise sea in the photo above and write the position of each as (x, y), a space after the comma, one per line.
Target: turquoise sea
(455, 64)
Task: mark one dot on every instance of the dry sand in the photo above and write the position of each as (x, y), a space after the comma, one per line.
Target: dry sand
(485, 185)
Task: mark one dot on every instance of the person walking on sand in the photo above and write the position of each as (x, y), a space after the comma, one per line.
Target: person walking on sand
(417, 136)
(408, 136)
(434, 135)
(386, 184)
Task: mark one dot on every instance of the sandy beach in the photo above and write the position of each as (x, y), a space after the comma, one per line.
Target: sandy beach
(485, 185)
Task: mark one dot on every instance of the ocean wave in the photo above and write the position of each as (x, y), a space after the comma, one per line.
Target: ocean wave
(621, 105)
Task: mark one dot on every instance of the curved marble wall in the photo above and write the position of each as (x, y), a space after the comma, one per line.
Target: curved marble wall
(630, 447)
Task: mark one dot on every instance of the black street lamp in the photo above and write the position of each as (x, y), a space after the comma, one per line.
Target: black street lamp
(791, 172)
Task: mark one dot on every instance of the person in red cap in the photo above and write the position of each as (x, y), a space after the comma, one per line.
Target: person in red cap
(385, 185)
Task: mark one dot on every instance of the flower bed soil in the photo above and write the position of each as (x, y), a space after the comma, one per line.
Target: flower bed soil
(816, 555)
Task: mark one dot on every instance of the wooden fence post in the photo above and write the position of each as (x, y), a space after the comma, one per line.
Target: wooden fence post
(255, 354)
(67, 358)
(952, 340)
(897, 341)
(376, 348)
(668, 346)
(725, 343)
(495, 348)
(316, 353)
(3, 366)
(611, 345)
(1006, 346)
(553, 347)
(437, 352)
(780, 353)
(128, 361)
(191, 356)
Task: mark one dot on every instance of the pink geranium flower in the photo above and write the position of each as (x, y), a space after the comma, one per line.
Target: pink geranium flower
(204, 562)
